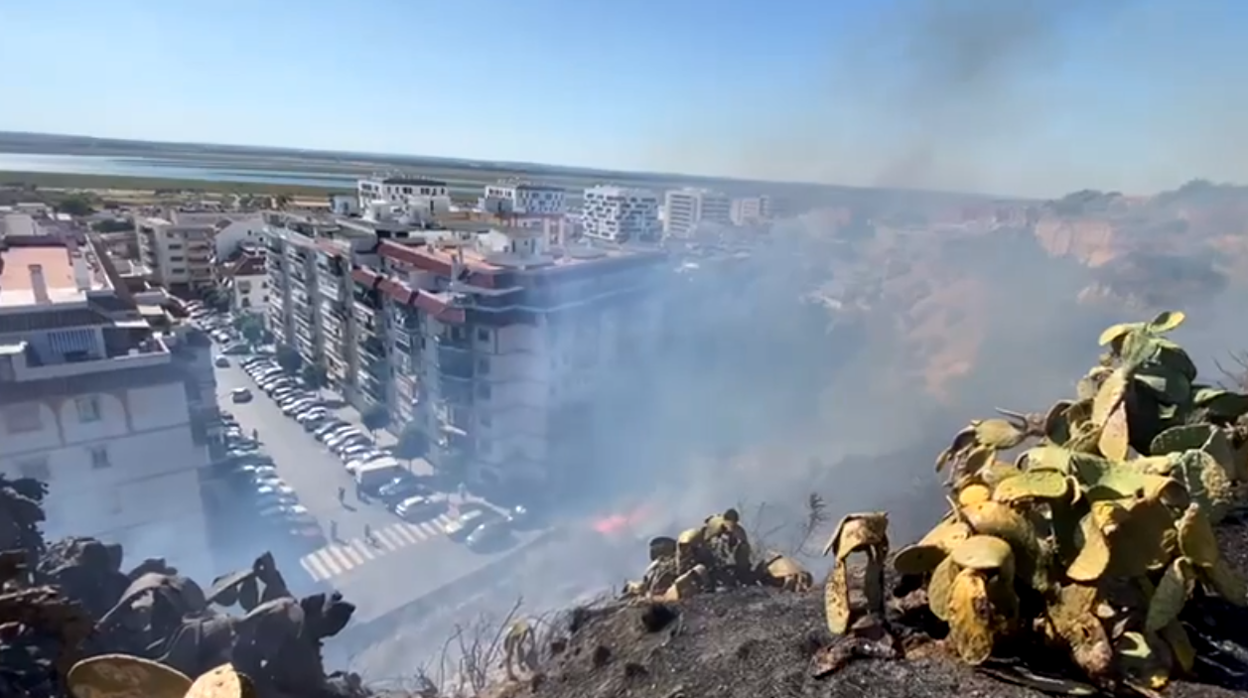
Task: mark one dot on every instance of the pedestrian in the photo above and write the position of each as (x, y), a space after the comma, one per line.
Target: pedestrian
(333, 530)
(463, 491)
(342, 495)
(255, 434)
(368, 533)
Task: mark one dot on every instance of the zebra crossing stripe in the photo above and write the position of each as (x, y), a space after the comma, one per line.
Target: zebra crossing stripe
(312, 563)
(362, 548)
(344, 563)
(402, 531)
(391, 539)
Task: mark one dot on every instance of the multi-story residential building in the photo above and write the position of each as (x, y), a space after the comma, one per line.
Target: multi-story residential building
(178, 257)
(233, 231)
(247, 281)
(498, 346)
(519, 198)
(751, 210)
(415, 196)
(619, 214)
(308, 261)
(97, 404)
(685, 209)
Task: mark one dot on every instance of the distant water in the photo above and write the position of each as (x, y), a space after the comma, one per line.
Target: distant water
(164, 169)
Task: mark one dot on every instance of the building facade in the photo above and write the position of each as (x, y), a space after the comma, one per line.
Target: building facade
(97, 404)
(685, 209)
(414, 196)
(246, 279)
(524, 198)
(178, 257)
(751, 210)
(619, 214)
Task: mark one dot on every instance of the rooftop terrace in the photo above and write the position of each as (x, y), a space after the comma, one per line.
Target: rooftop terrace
(47, 270)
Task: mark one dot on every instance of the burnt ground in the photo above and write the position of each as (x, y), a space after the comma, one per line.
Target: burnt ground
(759, 643)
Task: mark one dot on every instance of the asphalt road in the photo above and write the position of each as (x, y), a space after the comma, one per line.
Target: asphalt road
(406, 561)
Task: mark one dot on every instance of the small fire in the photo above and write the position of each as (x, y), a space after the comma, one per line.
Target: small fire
(619, 523)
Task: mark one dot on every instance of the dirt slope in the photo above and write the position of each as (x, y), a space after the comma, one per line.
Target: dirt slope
(755, 643)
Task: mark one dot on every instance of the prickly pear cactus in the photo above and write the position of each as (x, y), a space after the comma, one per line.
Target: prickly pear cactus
(1052, 515)
(125, 676)
(223, 682)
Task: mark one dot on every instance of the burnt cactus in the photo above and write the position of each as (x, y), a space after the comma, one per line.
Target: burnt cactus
(1094, 536)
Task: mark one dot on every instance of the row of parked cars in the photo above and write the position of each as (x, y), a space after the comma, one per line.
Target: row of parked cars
(410, 497)
(345, 440)
(250, 472)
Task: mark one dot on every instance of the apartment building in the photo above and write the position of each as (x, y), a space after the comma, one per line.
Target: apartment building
(308, 264)
(520, 198)
(234, 230)
(181, 258)
(751, 210)
(246, 279)
(97, 404)
(415, 196)
(619, 214)
(685, 209)
(498, 346)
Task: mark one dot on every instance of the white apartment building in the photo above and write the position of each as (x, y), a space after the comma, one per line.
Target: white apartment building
(233, 230)
(94, 403)
(521, 198)
(685, 209)
(620, 214)
(308, 264)
(414, 196)
(178, 257)
(751, 210)
(247, 281)
(499, 347)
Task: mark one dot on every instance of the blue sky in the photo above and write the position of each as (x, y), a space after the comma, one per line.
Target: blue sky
(993, 95)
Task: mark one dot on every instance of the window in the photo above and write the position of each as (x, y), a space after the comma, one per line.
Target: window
(483, 392)
(483, 367)
(36, 468)
(22, 421)
(99, 457)
(483, 335)
(88, 409)
(244, 286)
(177, 258)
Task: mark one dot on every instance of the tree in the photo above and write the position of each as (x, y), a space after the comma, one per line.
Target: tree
(314, 376)
(217, 299)
(374, 418)
(251, 327)
(288, 359)
(412, 443)
(75, 205)
(113, 225)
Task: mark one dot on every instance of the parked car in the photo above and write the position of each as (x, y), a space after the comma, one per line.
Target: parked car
(460, 527)
(240, 395)
(398, 489)
(420, 508)
(490, 535)
(324, 430)
(221, 362)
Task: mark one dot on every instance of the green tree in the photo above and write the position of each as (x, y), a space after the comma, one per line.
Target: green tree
(288, 359)
(412, 443)
(314, 376)
(250, 326)
(374, 418)
(113, 225)
(75, 205)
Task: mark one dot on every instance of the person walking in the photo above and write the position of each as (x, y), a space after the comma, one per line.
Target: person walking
(368, 534)
(333, 530)
(342, 495)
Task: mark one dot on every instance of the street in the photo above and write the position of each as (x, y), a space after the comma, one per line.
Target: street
(406, 560)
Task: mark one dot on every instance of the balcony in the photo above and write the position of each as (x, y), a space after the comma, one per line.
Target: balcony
(372, 347)
(19, 362)
(455, 364)
(453, 342)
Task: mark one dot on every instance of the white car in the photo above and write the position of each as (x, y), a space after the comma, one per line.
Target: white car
(279, 489)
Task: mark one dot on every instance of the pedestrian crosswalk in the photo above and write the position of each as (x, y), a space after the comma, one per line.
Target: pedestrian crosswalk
(341, 556)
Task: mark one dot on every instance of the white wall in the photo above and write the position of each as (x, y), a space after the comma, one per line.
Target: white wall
(147, 488)
(251, 293)
(231, 238)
